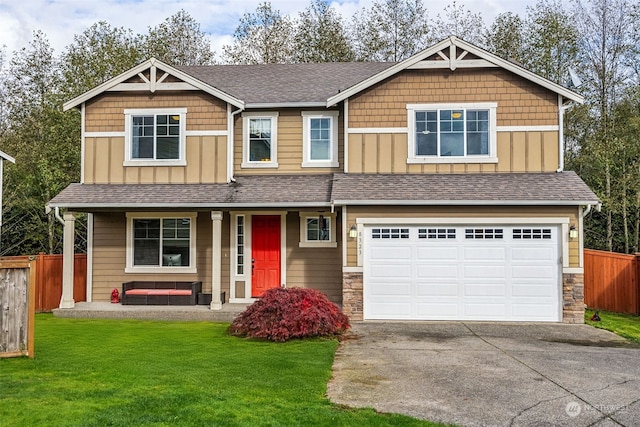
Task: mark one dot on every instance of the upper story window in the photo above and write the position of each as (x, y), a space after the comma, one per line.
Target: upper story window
(161, 243)
(443, 133)
(260, 140)
(320, 139)
(155, 137)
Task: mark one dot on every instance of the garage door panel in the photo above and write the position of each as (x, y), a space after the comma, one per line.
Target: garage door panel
(437, 253)
(437, 288)
(437, 271)
(486, 274)
(474, 271)
(482, 289)
(390, 252)
(443, 311)
(485, 253)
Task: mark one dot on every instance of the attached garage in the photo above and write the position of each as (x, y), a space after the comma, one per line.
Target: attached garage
(476, 271)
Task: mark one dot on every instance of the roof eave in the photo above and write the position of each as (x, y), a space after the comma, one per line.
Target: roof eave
(496, 60)
(75, 102)
(465, 202)
(212, 205)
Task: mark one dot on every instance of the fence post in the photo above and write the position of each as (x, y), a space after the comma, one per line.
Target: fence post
(636, 282)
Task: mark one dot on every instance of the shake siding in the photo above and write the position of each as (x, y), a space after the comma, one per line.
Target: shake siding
(355, 212)
(520, 102)
(317, 268)
(105, 113)
(109, 255)
(289, 146)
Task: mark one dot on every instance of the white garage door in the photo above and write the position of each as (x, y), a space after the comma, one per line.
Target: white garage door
(487, 272)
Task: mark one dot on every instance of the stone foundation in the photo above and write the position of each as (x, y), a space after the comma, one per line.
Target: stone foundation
(352, 296)
(572, 298)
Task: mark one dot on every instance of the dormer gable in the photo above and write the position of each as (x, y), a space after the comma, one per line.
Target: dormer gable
(153, 76)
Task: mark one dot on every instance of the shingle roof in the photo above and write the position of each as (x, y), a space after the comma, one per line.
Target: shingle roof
(564, 188)
(525, 188)
(246, 191)
(280, 83)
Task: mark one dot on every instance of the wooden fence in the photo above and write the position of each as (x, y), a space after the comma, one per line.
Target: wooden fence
(17, 307)
(49, 279)
(612, 281)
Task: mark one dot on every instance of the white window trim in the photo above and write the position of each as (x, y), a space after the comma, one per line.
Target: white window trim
(274, 139)
(492, 157)
(304, 243)
(130, 268)
(306, 139)
(129, 113)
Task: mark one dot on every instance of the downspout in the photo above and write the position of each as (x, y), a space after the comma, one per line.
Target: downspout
(561, 109)
(58, 217)
(230, 142)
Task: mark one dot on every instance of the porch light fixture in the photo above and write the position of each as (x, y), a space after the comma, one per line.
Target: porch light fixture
(353, 231)
(573, 233)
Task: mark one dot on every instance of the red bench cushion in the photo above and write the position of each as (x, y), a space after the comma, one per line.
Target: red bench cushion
(158, 292)
(179, 292)
(137, 291)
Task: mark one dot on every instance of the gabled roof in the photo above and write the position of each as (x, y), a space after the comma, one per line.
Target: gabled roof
(307, 85)
(153, 65)
(286, 84)
(5, 156)
(322, 190)
(445, 55)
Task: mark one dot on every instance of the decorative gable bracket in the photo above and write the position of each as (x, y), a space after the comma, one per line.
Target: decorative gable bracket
(148, 80)
(449, 58)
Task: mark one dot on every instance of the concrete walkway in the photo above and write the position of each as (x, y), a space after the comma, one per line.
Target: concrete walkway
(105, 310)
(490, 374)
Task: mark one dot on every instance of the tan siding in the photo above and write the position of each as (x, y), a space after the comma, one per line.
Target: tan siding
(105, 113)
(109, 255)
(289, 146)
(520, 102)
(206, 163)
(355, 212)
(317, 268)
(550, 147)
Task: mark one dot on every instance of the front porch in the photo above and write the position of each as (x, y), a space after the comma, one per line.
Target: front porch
(106, 310)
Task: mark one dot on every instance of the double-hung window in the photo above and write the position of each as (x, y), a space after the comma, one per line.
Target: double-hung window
(155, 137)
(320, 139)
(161, 243)
(452, 133)
(260, 140)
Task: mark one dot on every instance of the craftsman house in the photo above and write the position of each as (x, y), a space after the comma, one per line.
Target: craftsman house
(428, 189)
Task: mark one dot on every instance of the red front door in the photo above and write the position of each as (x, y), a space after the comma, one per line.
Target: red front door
(265, 253)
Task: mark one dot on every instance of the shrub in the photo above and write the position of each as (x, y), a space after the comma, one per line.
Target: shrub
(282, 314)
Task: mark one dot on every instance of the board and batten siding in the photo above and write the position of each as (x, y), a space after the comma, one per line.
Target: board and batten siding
(520, 151)
(109, 255)
(488, 212)
(316, 268)
(289, 145)
(206, 155)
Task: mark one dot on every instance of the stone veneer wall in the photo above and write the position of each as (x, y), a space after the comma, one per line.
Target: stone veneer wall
(572, 297)
(352, 295)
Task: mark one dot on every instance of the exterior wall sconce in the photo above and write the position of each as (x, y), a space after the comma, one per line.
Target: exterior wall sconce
(353, 231)
(573, 233)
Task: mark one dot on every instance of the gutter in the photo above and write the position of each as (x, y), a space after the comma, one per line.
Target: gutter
(463, 202)
(561, 109)
(230, 135)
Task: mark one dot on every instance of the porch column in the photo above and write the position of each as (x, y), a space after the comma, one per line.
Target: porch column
(67, 260)
(216, 259)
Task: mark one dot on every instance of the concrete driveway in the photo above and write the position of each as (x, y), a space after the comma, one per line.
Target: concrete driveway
(490, 374)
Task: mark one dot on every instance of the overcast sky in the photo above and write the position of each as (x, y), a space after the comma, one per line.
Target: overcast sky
(61, 19)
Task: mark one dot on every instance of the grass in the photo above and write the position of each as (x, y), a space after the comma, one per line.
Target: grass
(127, 372)
(625, 325)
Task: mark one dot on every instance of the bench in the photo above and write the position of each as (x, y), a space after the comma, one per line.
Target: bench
(160, 293)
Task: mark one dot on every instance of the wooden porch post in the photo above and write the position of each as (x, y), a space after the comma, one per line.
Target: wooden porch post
(67, 260)
(216, 260)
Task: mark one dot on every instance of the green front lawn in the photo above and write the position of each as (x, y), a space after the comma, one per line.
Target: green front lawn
(625, 325)
(126, 372)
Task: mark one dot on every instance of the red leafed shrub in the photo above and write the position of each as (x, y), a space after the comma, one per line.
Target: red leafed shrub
(282, 314)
